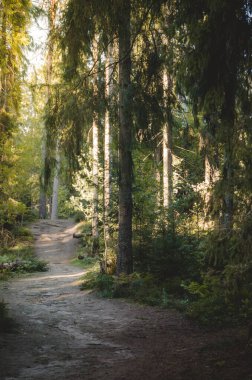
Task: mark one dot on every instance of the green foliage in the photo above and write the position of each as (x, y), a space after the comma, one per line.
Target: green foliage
(229, 247)
(209, 61)
(224, 294)
(85, 262)
(18, 257)
(222, 297)
(169, 255)
(10, 211)
(142, 288)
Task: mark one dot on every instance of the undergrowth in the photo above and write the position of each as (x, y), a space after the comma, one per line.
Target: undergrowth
(142, 288)
(208, 278)
(20, 257)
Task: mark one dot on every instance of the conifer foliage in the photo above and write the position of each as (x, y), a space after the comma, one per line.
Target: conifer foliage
(148, 111)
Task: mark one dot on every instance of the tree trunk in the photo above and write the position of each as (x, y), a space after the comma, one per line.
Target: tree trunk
(55, 193)
(125, 259)
(157, 158)
(51, 21)
(107, 149)
(95, 153)
(167, 146)
(228, 119)
(228, 174)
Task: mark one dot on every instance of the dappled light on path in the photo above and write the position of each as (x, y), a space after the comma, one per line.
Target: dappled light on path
(54, 277)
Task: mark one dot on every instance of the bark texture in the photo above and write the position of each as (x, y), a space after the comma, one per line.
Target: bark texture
(51, 21)
(167, 145)
(124, 260)
(55, 193)
(107, 147)
(95, 153)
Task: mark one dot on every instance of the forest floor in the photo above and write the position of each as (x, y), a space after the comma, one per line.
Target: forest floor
(62, 333)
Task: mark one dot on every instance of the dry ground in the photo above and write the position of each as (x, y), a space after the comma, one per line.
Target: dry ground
(62, 333)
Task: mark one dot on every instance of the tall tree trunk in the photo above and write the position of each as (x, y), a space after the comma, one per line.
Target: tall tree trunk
(42, 196)
(95, 153)
(51, 21)
(107, 149)
(167, 145)
(157, 158)
(55, 192)
(228, 118)
(228, 174)
(125, 259)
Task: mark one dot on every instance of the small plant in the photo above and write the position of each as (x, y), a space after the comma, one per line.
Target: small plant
(20, 258)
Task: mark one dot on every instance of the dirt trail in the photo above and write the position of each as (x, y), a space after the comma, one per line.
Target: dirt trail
(64, 334)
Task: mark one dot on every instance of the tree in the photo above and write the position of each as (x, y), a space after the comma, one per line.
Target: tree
(107, 147)
(215, 41)
(95, 150)
(14, 19)
(125, 259)
(52, 8)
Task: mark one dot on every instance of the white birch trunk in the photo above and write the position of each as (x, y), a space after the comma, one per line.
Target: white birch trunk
(167, 147)
(95, 154)
(107, 147)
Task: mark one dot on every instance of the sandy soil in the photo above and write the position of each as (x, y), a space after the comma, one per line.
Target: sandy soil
(62, 333)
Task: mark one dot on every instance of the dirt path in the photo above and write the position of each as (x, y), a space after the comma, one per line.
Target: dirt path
(65, 334)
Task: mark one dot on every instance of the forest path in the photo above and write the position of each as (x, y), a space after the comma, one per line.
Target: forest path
(65, 334)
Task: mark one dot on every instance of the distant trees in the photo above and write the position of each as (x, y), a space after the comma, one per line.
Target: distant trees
(14, 19)
(215, 54)
(160, 51)
(149, 102)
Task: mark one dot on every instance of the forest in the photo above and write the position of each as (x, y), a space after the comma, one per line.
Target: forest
(134, 119)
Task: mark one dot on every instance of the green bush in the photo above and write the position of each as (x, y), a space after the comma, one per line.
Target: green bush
(222, 297)
(20, 259)
(32, 265)
(140, 288)
(169, 256)
(21, 231)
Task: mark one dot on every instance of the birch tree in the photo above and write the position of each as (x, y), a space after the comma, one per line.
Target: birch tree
(107, 146)
(95, 152)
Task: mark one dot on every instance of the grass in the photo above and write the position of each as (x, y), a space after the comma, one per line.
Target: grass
(20, 258)
(140, 288)
(92, 267)
(86, 263)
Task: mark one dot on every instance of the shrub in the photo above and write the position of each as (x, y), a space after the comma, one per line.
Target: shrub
(169, 256)
(222, 297)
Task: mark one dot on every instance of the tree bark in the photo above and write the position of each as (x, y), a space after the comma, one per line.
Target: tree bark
(107, 148)
(167, 146)
(228, 120)
(125, 259)
(228, 174)
(157, 158)
(55, 193)
(51, 21)
(95, 153)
